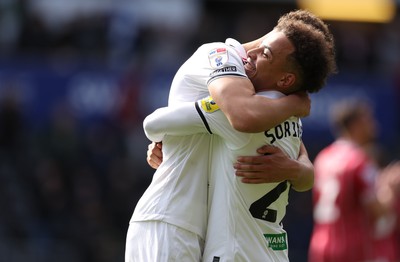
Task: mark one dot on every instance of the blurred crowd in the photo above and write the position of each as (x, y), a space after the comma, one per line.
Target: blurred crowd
(68, 186)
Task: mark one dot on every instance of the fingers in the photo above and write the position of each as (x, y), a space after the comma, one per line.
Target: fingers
(154, 155)
(152, 164)
(252, 180)
(257, 177)
(268, 149)
(262, 159)
(253, 164)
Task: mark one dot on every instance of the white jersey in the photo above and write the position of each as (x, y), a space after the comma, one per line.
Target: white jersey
(210, 61)
(178, 191)
(244, 220)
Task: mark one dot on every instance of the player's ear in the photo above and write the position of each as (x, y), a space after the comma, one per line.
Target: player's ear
(287, 80)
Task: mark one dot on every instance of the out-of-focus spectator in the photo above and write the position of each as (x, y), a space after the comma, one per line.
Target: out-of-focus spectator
(349, 203)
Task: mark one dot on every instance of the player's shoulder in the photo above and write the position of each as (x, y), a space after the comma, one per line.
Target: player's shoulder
(216, 48)
(212, 45)
(343, 151)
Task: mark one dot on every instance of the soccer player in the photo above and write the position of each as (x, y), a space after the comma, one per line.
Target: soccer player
(244, 220)
(347, 200)
(169, 221)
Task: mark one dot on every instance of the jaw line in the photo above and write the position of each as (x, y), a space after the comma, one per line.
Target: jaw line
(250, 72)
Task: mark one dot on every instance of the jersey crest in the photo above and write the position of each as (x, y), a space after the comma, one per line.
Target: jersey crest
(218, 57)
(208, 105)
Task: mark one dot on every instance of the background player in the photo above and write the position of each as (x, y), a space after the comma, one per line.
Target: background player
(347, 201)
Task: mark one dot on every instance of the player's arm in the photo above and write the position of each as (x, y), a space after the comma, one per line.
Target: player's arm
(303, 177)
(251, 113)
(179, 120)
(274, 166)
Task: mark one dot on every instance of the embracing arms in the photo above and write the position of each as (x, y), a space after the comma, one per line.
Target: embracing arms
(261, 169)
(273, 164)
(251, 113)
(178, 120)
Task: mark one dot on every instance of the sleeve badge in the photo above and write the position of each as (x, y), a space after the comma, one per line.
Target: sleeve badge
(208, 105)
(218, 57)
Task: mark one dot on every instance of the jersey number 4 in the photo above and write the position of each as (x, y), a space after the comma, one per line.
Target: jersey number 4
(260, 210)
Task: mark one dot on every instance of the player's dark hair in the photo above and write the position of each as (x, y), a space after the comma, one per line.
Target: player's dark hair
(310, 19)
(314, 57)
(345, 112)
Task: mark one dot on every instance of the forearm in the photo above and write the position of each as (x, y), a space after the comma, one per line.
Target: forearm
(273, 165)
(303, 178)
(174, 120)
(248, 112)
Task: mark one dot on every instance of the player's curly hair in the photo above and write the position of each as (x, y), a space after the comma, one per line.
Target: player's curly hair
(310, 19)
(314, 57)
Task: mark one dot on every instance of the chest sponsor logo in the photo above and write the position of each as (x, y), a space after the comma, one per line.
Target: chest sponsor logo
(276, 241)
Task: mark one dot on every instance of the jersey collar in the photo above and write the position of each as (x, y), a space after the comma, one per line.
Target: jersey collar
(237, 46)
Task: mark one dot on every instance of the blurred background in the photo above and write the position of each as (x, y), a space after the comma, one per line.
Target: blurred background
(78, 77)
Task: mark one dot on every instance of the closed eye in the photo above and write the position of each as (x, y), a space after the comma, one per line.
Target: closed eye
(267, 52)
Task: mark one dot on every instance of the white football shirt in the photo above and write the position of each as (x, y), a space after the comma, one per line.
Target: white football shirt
(178, 191)
(244, 220)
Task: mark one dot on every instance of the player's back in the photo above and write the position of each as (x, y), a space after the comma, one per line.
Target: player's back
(211, 60)
(178, 191)
(244, 220)
(177, 194)
(190, 81)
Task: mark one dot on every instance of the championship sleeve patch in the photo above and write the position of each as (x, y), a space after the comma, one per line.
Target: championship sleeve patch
(218, 57)
(224, 71)
(208, 105)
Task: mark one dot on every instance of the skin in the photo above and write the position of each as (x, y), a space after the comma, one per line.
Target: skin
(266, 69)
(154, 154)
(273, 165)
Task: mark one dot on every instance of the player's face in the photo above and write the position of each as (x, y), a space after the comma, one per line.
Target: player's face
(368, 127)
(267, 63)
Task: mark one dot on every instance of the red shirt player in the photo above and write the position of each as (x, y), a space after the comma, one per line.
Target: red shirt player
(346, 200)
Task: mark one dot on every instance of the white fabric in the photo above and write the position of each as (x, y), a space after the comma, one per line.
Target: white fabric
(163, 243)
(178, 192)
(190, 82)
(233, 233)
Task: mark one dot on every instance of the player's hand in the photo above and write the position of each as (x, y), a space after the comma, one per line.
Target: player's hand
(302, 102)
(154, 154)
(272, 166)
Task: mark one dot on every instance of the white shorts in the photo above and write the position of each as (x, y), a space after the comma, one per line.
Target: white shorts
(158, 241)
